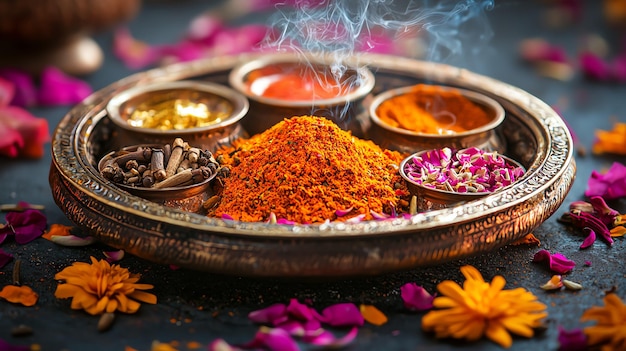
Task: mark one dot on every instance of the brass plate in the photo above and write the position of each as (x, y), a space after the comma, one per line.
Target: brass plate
(535, 136)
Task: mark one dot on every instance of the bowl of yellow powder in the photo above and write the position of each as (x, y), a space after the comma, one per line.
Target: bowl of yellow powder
(199, 111)
(423, 116)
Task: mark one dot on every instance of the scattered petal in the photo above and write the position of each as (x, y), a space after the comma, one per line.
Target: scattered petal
(589, 239)
(273, 339)
(328, 340)
(57, 88)
(19, 294)
(72, 240)
(557, 262)
(571, 285)
(5, 258)
(594, 68)
(57, 230)
(272, 315)
(372, 315)
(588, 263)
(618, 231)
(341, 213)
(415, 297)
(554, 283)
(24, 92)
(26, 226)
(572, 340)
(221, 345)
(135, 54)
(342, 315)
(113, 256)
(610, 141)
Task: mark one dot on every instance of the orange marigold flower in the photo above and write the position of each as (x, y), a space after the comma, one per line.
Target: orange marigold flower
(482, 308)
(101, 287)
(610, 330)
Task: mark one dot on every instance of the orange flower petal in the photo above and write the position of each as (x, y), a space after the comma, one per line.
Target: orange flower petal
(373, 315)
(57, 229)
(613, 141)
(618, 231)
(19, 294)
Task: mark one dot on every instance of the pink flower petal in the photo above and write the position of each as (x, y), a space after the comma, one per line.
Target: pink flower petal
(21, 133)
(7, 91)
(273, 339)
(557, 262)
(572, 340)
(584, 219)
(605, 213)
(609, 185)
(342, 315)
(272, 315)
(26, 226)
(589, 239)
(328, 340)
(415, 297)
(299, 310)
(113, 256)
(221, 345)
(133, 53)
(24, 93)
(594, 67)
(5, 258)
(204, 27)
(72, 240)
(57, 88)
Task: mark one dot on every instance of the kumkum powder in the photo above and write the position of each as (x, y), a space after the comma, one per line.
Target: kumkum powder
(306, 169)
(295, 82)
(429, 109)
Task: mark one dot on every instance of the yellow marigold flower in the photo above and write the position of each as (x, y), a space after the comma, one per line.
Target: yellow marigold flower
(482, 308)
(101, 287)
(610, 331)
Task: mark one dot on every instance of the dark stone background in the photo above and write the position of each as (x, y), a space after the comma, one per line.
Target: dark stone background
(196, 306)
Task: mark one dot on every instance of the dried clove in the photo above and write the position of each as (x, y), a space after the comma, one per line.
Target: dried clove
(156, 165)
(140, 155)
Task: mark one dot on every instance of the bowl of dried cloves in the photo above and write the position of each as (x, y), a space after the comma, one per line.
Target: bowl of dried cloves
(173, 174)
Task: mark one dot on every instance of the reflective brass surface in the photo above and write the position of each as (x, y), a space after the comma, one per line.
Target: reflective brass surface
(534, 135)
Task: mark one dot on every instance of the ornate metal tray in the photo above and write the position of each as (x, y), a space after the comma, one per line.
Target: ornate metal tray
(534, 134)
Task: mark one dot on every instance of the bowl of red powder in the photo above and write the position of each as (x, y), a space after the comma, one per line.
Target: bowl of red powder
(423, 116)
(290, 84)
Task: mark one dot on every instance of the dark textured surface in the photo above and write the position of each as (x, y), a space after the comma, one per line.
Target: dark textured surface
(200, 307)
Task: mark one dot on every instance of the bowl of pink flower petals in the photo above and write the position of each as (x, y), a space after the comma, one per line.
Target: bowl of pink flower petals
(446, 177)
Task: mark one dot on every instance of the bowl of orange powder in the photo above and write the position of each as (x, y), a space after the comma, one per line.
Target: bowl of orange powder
(291, 84)
(423, 116)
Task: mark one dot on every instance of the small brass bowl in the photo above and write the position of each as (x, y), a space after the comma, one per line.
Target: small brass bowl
(434, 100)
(186, 197)
(429, 198)
(203, 113)
(255, 77)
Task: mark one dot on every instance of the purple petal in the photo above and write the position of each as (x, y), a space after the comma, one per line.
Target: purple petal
(24, 93)
(588, 263)
(285, 221)
(5, 346)
(594, 67)
(113, 256)
(57, 88)
(27, 225)
(557, 262)
(610, 185)
(572, 340)
(273, 339)
(343, 315)
(299, 310)
(5, 258)
(221, 345)
(583, 220)
(415, 297)
(272, 315)
(227, 217)
(589, 239)
(327, 339)
(341, 213)
(606, 214)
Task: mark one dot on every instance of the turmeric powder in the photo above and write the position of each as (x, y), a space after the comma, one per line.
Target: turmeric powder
(303, 170)
(431, 110)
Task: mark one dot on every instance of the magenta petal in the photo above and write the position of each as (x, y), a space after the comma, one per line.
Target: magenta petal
(557, 262)
(272, 315)
(204, 27)
(327, 339)
(25, 93)
(415, 297)
(274, 339)
(57, 88)
(572, 340)
(133, 53)
(610, 185)
(606, 214)
(299, 310)
(27, 225)
(589, 239)
(343, 315)
(594, 67)
(221, 345)
(619, 68)
(5, 258)
(7, 91)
